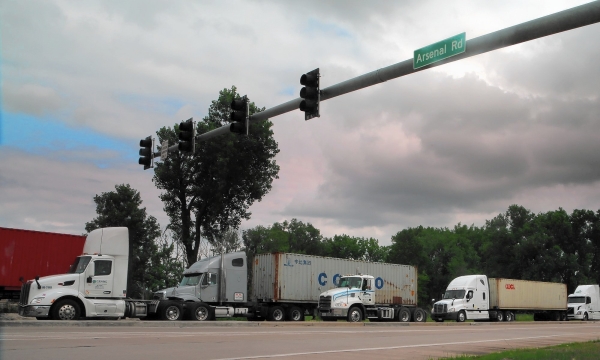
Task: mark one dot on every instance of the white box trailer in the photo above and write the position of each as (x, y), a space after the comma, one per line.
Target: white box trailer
(284, 277)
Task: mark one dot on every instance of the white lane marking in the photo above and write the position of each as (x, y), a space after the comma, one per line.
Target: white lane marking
(388, 347)
(108, 335)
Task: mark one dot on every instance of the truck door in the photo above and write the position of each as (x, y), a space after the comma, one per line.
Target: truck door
(98, 279)
(209, 287)
(367, 293)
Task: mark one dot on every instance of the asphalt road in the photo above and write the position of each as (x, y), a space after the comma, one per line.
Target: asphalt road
(191, 340)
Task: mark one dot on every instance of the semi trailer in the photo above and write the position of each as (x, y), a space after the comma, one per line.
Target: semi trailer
(496, 299)
(27, 253)
(282, 287)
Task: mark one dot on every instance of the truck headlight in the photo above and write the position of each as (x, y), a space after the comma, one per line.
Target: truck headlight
(451, 309)
(37, 300)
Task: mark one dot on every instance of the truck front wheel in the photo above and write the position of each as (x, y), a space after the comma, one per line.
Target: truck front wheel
(170, 310)
(355, 314)
(66, 310)
(585, 317)
(461, 316)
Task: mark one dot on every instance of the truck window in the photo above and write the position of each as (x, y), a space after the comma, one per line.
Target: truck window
(102, 267)
(237, 262)
(483, 296)
(576, 300)
(190, 279)
(209, 279)
(588, 300)
(80, 264)
(454, 294)
(350, 282)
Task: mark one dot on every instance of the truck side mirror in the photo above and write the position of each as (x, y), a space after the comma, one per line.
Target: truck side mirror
(89, 279)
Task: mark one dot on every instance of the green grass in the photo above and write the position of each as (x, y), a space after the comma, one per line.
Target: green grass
(580, 351)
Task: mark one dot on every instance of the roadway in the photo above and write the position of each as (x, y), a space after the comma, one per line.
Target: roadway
(244, 340)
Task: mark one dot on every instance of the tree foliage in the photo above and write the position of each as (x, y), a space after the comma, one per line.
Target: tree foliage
(150, 264)
(209, 192)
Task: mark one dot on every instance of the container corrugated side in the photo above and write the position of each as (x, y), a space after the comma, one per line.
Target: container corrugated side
(289, 277)
(511, 294)
(29, 253)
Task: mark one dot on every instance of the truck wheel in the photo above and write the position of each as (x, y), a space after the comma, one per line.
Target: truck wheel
(355, 314)
(295, 314)
(507, 316)
(170, 310)
(499, 316)
(404, 315)
(461, 316)
(200, 312)
(585, 317)
(276, 313)
(66, 310)
(419, 315)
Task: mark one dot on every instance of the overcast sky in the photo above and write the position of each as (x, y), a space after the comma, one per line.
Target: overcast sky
(84, 81)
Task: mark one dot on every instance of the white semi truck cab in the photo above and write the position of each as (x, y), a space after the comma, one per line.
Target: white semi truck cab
(467, 297)
(94, 286)
(584, 303)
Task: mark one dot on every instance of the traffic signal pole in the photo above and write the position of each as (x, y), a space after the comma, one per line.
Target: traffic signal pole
(569, 19)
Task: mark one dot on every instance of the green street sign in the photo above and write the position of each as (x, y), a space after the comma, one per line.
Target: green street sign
(440, 50)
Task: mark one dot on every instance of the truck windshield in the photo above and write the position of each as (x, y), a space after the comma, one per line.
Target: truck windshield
(190, 279)
(79, 265)
(350, 282)
(454, 294)
(577, 300)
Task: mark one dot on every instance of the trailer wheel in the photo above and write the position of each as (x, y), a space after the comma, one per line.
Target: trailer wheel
(556, 316)
(404, 315)
(563, 316)
(355, 314)
(461, 316)
(276, 313)
(200, 312)
(510, 316)
(66, 309)
(419, 315)
(170, 310)
(295, 314)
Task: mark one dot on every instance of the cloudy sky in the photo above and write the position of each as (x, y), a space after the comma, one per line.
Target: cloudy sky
(83, 81)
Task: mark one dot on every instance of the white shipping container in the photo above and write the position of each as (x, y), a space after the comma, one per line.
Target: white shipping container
(510, 294)
(288, 277)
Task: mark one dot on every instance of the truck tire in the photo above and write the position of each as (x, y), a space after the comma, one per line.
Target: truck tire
(276, 313)
(556, 316)
(499, 316)
(355, 314)
(200, 312)
(170, 310)
(295, 314)
(404, 315)
(461, 316)
(66, 309)
(509, 316)
(585, 317)
(419, 315)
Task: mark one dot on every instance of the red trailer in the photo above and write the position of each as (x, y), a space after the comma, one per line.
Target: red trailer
(30, 253)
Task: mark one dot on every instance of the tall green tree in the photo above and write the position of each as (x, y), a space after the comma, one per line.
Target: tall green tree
(122, 207)
(207, 193)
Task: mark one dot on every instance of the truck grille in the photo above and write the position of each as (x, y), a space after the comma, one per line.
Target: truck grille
(24, 299)
(440, 308)
(571, 311)
(325, 302)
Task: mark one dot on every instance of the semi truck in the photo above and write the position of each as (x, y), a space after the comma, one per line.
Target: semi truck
(27, 253)
(584, 303)
(282, 287)
(481, 298)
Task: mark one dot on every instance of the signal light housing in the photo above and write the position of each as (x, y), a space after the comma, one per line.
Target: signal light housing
(146, 155)
(187, 136)
(311, 94)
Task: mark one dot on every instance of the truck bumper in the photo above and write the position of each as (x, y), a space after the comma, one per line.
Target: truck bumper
(444, 316)
(34, 311)
(342, 312)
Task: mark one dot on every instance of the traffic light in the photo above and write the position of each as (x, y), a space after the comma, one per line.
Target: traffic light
(311, 94)
(187, 136)
(146, 155)
(240, 116)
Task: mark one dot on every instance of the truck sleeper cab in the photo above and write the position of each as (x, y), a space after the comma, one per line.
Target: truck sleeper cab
(584, 303)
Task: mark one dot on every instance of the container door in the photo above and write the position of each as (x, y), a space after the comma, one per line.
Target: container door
(99, 279)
